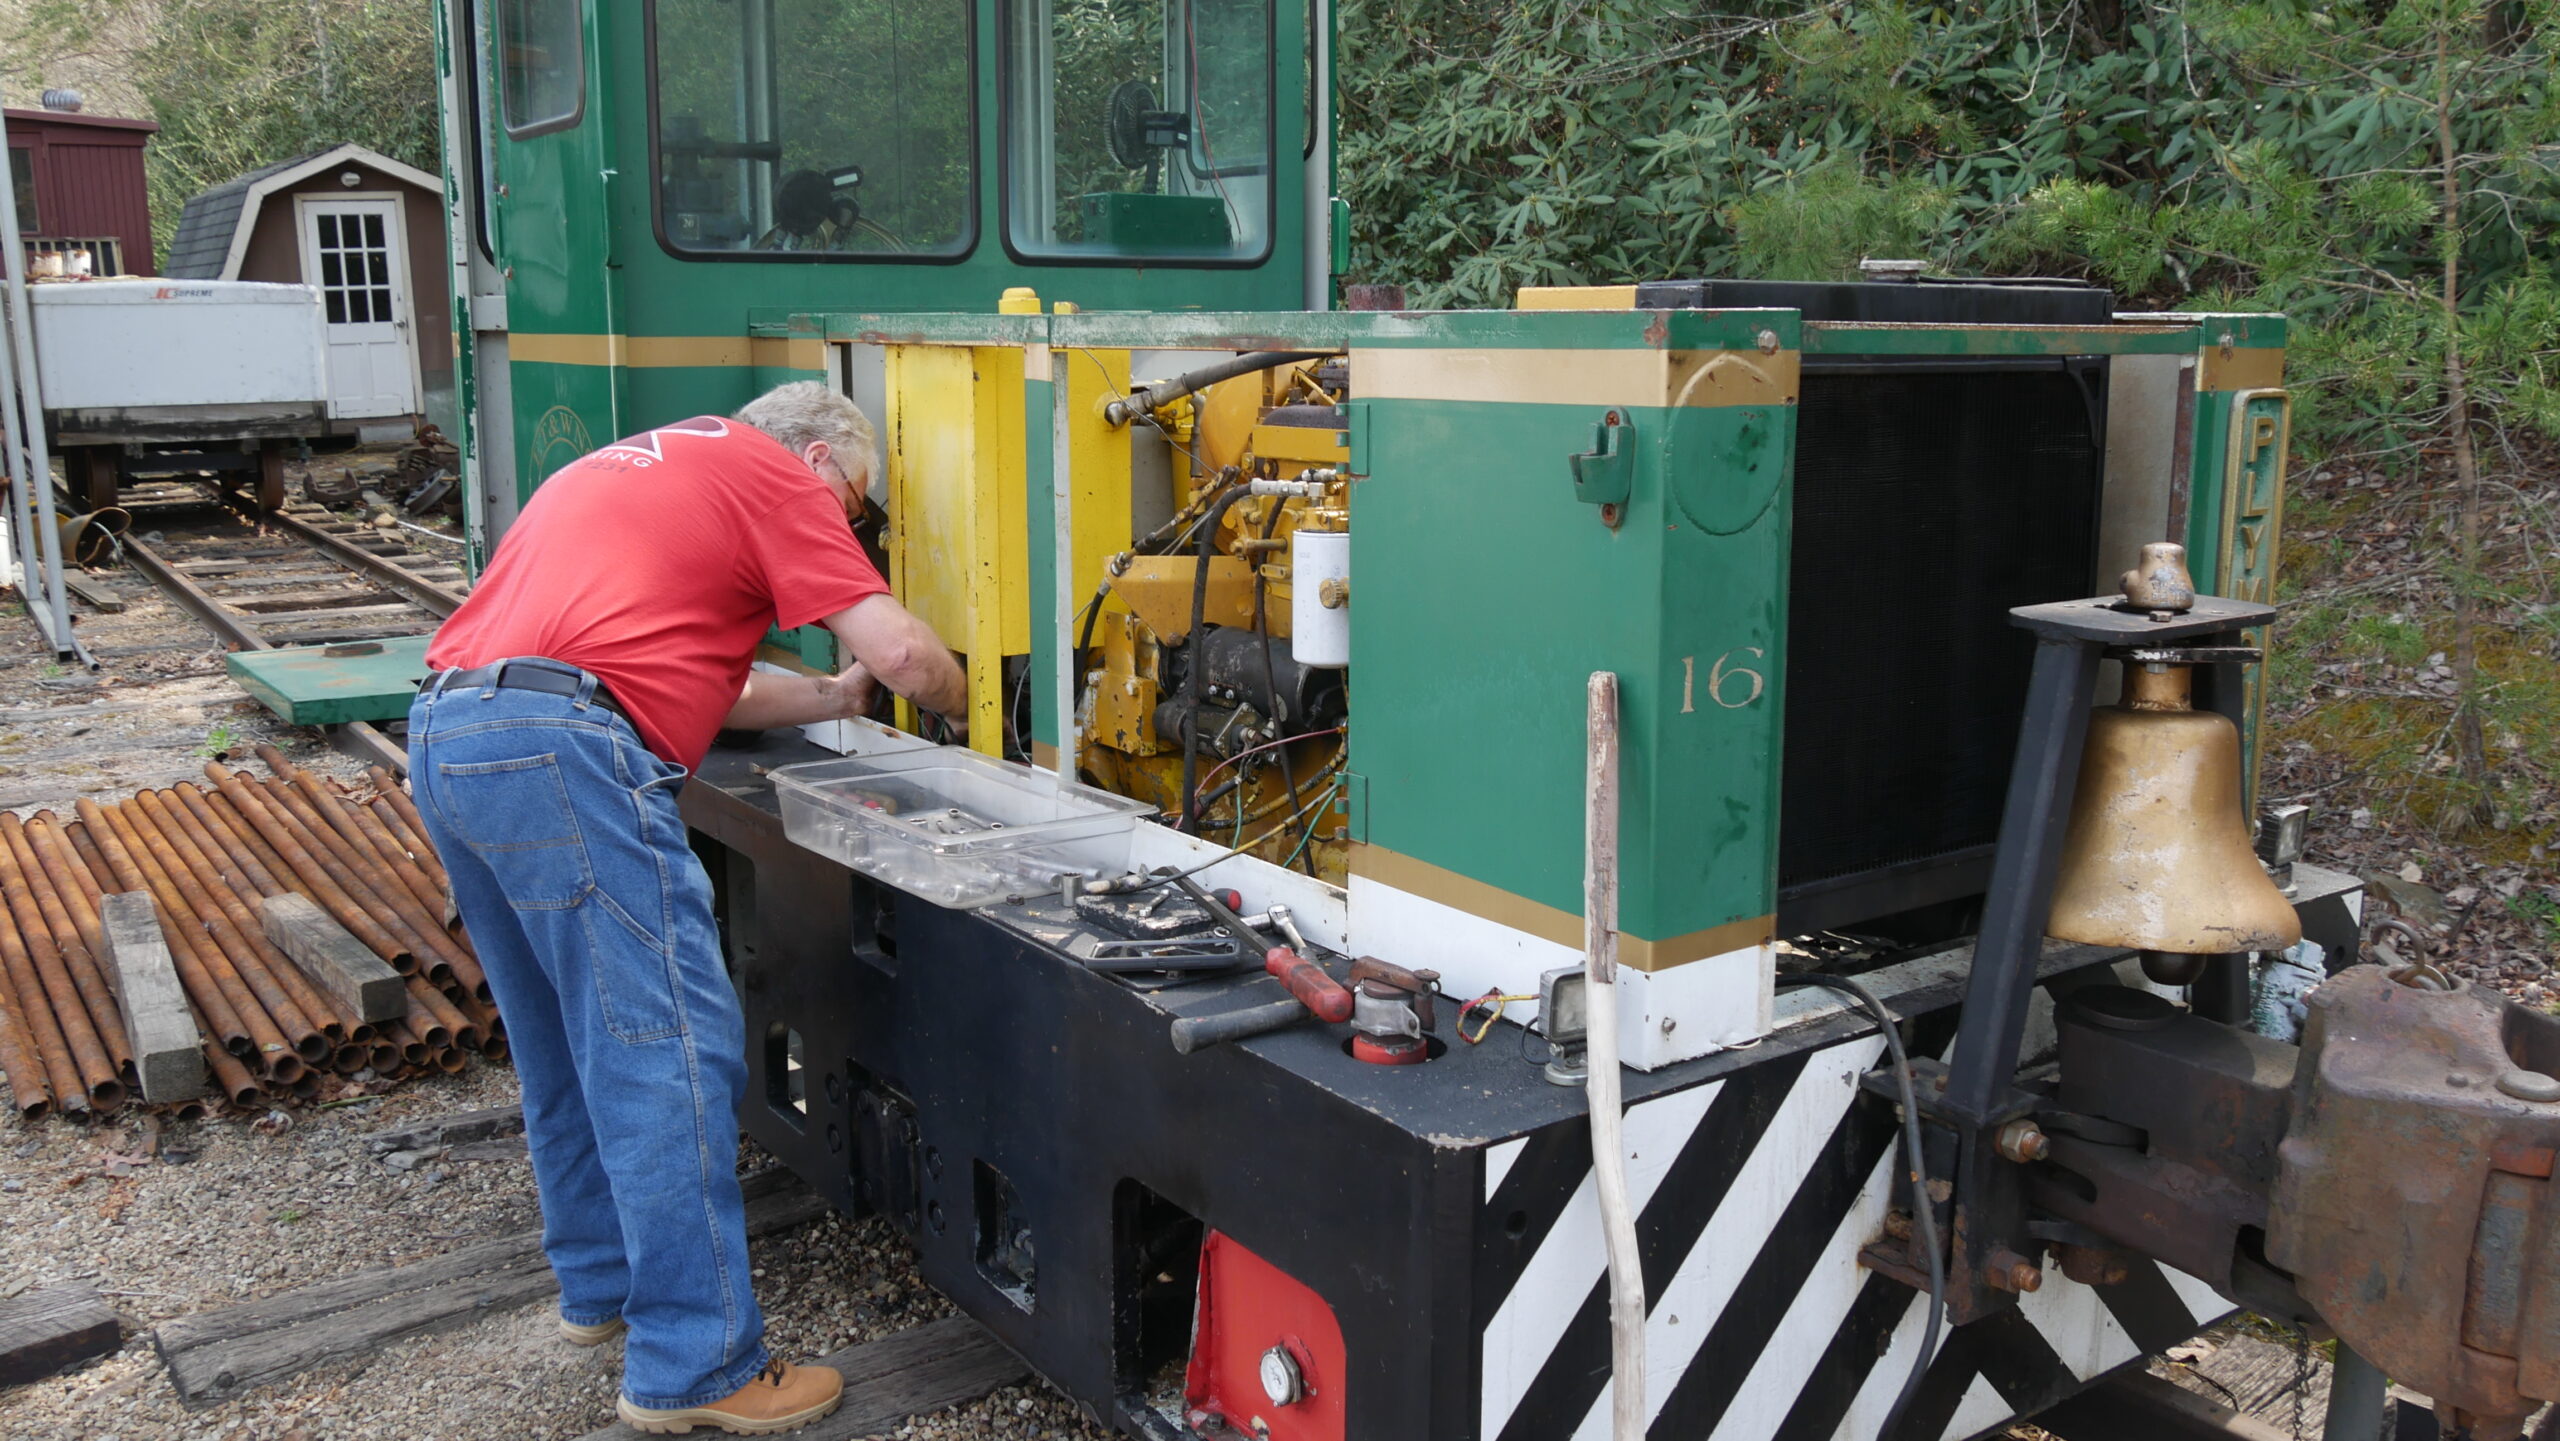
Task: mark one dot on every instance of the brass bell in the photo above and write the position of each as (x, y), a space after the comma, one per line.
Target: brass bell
(2157, 857)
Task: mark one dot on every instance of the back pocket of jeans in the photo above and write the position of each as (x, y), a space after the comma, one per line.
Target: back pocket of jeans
(515, 815)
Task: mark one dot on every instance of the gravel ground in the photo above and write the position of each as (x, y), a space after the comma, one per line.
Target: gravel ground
(237, 1208)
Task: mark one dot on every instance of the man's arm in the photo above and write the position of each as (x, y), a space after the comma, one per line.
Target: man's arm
(886, 640)
(771, 701)
(889, 647)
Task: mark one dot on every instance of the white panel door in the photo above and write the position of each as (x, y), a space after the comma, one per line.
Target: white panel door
(354, 251)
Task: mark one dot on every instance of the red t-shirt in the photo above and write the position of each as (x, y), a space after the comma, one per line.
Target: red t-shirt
(657, 562)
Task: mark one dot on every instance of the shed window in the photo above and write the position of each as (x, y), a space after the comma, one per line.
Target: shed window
(542, 70)
(814, 128)
(22, 184)
(1140, 128)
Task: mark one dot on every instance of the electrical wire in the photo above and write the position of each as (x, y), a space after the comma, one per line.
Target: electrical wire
(1492, 1003)
(1151, 882)
(1266, 745)
(1331, 795)
(1923, 1210)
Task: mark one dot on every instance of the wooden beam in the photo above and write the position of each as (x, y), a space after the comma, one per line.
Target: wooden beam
(44, 1331)
(217, 1355)
(450, 1130)
(928, 1368)
(335, 961)
(166, 1047)
(100, 599)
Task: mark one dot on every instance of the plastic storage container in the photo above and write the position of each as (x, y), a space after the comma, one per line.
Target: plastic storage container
(952, 826)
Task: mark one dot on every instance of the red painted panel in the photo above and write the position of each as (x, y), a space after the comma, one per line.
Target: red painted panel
(89, 180)
(1248, 1307)
(99, 190)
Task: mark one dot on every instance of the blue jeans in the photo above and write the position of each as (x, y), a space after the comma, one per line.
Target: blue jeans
(593, 921)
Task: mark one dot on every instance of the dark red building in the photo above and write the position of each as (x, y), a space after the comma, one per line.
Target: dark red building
(79, 185)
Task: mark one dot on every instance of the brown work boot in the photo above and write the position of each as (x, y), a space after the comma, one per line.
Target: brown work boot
(781, 1398)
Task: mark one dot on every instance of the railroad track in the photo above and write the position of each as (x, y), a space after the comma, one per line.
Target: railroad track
(295, 577)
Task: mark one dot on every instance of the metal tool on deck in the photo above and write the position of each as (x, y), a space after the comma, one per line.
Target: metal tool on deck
(1325, 998)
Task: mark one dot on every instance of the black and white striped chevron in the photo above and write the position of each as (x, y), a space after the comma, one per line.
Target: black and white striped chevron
(1754, 1193)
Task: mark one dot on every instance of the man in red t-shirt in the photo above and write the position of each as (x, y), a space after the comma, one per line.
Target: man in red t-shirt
(566, 701)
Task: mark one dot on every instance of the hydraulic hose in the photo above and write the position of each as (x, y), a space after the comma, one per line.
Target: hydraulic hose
(1143, 399)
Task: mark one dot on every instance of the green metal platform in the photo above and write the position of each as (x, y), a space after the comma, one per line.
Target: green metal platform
(372, 680)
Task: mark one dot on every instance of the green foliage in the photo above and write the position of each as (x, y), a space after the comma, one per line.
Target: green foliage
(2259, 154)
(235, 86)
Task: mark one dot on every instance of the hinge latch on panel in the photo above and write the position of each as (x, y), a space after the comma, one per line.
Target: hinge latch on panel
(1603, 474)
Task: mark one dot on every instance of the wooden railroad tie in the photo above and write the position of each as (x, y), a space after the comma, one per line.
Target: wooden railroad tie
(166, 1047)
(44, 1331)
(335, 961)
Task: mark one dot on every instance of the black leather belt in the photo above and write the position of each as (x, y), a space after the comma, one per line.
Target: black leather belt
(525, 675)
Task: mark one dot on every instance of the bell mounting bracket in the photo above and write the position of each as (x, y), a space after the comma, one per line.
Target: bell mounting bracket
(1977, 1094)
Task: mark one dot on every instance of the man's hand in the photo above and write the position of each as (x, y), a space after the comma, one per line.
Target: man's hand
(852, 693)
(889, 643)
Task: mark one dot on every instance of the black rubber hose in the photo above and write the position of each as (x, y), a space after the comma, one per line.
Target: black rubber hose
(1924, 1213)
(1143, 399)
(1197, 681)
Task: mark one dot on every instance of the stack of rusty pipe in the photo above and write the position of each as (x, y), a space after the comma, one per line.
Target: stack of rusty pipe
(207, 856)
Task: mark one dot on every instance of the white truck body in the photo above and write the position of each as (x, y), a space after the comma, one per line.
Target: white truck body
(161, 345)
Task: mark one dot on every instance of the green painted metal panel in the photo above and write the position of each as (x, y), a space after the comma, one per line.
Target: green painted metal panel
(333, 684)
(1478, 622)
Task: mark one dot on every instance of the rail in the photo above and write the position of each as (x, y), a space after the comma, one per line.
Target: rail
(398, 601)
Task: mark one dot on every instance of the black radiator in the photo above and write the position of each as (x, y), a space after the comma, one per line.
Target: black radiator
(1931, 495)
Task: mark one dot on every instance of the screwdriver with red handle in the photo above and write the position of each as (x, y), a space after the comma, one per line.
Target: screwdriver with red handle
(1324, 997)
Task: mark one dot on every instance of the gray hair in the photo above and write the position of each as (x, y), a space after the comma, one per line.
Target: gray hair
(806, 411)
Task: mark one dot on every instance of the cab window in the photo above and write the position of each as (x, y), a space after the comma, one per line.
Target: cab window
(541, 65)
(1139, 128)
(812, 129)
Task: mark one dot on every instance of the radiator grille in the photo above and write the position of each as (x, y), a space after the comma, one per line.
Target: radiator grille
(1927, 503)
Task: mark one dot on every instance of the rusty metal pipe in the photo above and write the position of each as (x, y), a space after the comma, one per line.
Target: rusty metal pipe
(458, 1027)
(412, 1050)
(34, 892)
(139, 870)
(250, 858)
(425, 1024)
(424, 918)
(30, 1082)
(398, 795)
(451, 1062)
(390, 901)
(309, 871)
(76, 1061)
(318, 857)
(361, 824)
(397, 826)
(34, 1013)
(188, 1111)
(426, 883)
(242, 937)
(483, 1014)
(74, 876)
(223, 819)
(390, 859)
(234, 1078)
(493, 1048)
(351, 1058)
(337, 1022)
(384, 1058)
